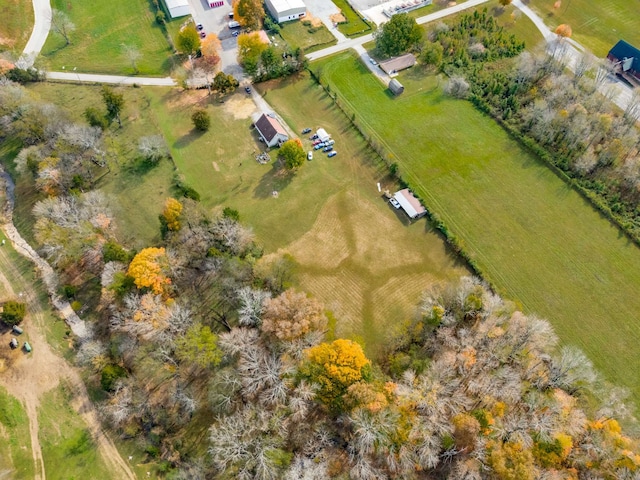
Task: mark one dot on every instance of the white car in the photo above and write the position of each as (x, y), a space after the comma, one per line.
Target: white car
(310, 155)
(394, 202)
(373, 62)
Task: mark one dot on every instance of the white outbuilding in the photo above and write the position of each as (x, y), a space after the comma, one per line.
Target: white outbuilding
(323, 135)
(178, 8)
(410, 204)
(285, 10)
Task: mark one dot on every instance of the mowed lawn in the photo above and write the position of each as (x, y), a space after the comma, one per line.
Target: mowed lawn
(15, 443)
(102, 32)
(354, 253)
(596, 25)
(537, 240)
(16, 24)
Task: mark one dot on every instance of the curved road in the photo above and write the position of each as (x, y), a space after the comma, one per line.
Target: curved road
(41, 27)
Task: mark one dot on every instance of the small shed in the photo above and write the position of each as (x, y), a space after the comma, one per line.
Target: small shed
(178, 8)
(323, 135)
(396, 87)
(270, 130)
(410, 204)
(394, 65)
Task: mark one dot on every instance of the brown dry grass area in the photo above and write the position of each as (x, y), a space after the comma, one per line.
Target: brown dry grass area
(240, 107)
(315, 21)
(338, 18)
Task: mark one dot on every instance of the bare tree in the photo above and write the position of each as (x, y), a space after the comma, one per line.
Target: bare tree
(62, 24)
(133, 55)
(457, 87)
(153, 148)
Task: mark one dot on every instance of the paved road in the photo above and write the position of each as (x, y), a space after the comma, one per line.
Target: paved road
(42, 14)
(115, 79)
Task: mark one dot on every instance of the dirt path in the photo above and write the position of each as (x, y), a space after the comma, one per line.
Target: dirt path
(33, 375)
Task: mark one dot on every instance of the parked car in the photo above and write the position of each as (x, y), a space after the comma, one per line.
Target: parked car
(327, 149)
(203, 34)
(27, 347)
(316, 141)
(247, 89)
(199, 27)
(313, 137)
(305, 131)
(332, 153)
(236, 33)
(16, 329)
(318, 146)
(310, 155)
(394, 202)
(330, 142)
(13, 343)
(373, 62)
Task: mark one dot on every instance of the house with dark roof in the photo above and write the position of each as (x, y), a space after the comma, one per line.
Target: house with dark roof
(270, 130)
(626, 59)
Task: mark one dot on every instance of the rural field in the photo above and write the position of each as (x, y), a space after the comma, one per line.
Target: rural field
(308, 36)
(596, 25)
(537, 240)
(102, 32)
(353, 251)
(16, 25)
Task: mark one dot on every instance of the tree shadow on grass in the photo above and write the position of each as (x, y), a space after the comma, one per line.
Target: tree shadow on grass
(140, 166)
(187, 139)
(275, 180)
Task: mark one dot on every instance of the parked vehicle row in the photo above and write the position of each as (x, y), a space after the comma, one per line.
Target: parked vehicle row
(317, 143)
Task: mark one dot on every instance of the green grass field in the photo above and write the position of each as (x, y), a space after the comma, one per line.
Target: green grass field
(102, 31)
(355, 25)
(536, 239)
(15, 443)
(67, 447)
(296, 34)
(16, 25)
(596, 25)
(354, 253)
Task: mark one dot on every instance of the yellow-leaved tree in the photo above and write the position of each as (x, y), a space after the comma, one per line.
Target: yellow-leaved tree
(334, 367)
(148, 270)
(171, 213)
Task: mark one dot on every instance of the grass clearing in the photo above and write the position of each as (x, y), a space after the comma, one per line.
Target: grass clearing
(307, 37)
(102, 31)
(16, 25)
(330, 216)
(67, 447)
(355, 26)
(596, 25)
(537, 240)
(15, 442)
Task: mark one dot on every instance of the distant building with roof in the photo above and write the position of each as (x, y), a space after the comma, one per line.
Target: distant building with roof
(626, 58)
(394, 65)
(410, 204)
(396, 87)
(270, 130)
(178, 8)
(285, 10)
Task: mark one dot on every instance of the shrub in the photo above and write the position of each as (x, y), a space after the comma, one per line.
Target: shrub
(201, 120)
(110, 374)
(95, 118)
(23, 76)
(13, 312)
(69, 291)
(112, 252)
(76, 305)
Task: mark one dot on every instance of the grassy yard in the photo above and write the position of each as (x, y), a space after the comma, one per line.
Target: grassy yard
(102, 31)
(355, 25)
(297, 34)
(67, 447)
(536, 239)
(596, 25)
(354, 253)
(15, 442)
(16, 25)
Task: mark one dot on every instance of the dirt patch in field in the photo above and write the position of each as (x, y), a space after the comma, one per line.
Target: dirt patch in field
(216, 167)
(240, 107)
(338, 18)
(9, 42)
(315, 21)
(185, 99)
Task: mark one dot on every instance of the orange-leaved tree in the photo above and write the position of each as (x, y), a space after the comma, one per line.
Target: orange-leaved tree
(171, 213)
(148, 270)
(564, 30)
(334, 367)
(291, 315)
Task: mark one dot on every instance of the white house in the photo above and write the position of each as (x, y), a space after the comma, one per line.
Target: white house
(410, 204)
(285, 10)
(178, 8)
(270, 130)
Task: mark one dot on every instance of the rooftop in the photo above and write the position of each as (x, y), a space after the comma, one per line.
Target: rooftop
(409, 203)
(283, 5)
(398, 63)
(623, 50)
(270, 127)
